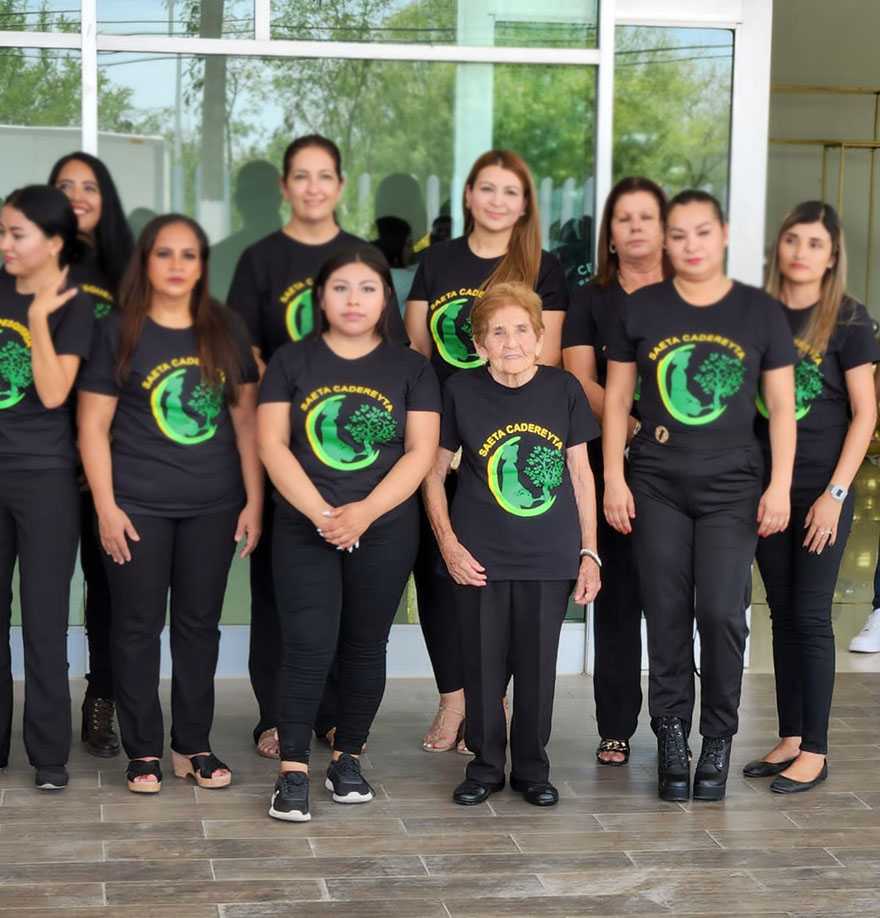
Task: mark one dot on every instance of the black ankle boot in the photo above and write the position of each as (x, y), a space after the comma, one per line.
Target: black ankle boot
(673, 770)
(710, 778)
(97, 727)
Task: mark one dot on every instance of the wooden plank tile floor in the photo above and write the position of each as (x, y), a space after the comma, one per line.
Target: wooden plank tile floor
(609, 848)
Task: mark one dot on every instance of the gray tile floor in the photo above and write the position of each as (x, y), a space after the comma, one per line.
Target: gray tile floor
(609, 848)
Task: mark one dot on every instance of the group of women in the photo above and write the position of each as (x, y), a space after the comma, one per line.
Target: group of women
(468, 457)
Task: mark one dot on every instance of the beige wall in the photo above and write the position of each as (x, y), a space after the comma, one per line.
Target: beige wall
(834, 43)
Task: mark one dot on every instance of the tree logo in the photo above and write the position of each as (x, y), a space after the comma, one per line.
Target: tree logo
(543, 470)
(299, 319)
(719, 376)
(451, 330)
(186, 415)
(353, 444)
(808, 382)
(16, 370)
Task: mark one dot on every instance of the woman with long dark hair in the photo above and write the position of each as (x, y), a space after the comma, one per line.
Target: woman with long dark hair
(701, 344)
(348, 427)
(102, 227)
(272, 290)
(836, 413)
(501, 243)
(630, 257)
(168, 441)
(45, 332)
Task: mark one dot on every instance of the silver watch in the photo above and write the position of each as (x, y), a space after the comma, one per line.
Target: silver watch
(838, 492)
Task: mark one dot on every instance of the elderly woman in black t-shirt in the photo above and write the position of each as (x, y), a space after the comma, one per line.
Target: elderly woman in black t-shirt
(521, 535)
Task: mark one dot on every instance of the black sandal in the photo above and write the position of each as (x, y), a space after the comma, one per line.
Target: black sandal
(138, 768)
(202, 768)
(612, 745)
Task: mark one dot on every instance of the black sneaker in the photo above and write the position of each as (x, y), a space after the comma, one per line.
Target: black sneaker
(51, 777)
(290, 799)
(344, 778)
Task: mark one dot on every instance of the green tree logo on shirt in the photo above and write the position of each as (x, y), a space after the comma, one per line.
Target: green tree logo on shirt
(451, 332)
(542, 468)
(349, 444)
(808, 382)
(299, 319)
(185, 411)
(16, 369)
(719, 376)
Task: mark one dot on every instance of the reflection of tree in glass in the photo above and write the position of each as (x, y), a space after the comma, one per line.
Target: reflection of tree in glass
(207, 401)
(720, 375)
(544, 468)
(807, 382)
(370, 424)
(15, 367)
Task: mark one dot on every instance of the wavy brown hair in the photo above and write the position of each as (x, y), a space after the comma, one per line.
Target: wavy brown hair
(608, 262)
(217, 351)
(820, 326)
(522, 262)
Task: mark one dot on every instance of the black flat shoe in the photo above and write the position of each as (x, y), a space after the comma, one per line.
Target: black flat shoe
(710, 777)
(783, 785)
(538, 793)
(470, 792)
(761, 769)
(673, 768)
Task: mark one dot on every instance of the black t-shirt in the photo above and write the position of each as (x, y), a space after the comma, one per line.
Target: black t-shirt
(348, 417)
(701, 365)
(91, 281)
(172, 441)
(272, 290)
(514, 508)
(31, 435)
(822, 402)
(592, 317)
(448, 278)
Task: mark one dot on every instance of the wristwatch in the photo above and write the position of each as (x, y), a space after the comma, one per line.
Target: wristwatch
(838, 492)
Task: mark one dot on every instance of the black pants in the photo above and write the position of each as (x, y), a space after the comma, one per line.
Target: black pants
(510, 627)
(336, 603)
(264, 656)
(436, 598)
(800, 589)
(617, 625)
(191, 557)
(96, 602)
(39, 522)
(694, 540)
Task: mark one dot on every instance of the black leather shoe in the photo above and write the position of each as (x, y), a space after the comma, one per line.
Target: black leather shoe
(538, 793)
(783, 785)
(470, 791)
(761, 769)
(673, 769)
(710, 778)
(97, 727)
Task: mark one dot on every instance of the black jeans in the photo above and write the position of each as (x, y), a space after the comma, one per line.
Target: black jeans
(510, 627)
(336, 603)
(191, 557)
(800, 589)
(96, 603)
(436, 598)
(39, 523)
(617, 625)
(694, 539)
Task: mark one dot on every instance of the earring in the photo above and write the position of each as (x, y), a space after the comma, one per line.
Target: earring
(612, 248)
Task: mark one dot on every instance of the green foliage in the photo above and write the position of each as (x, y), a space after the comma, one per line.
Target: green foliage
(370, 424)
(544, 467)
(15, 366)
(720, 375)
(807, 381)
(206, 400)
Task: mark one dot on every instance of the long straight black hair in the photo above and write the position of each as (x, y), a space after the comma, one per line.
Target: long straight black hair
(114, 242)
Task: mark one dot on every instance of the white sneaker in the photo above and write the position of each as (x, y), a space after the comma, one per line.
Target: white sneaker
(868, 639)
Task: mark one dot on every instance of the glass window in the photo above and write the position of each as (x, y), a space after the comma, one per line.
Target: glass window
(672, 94)
(563, 24)
(188, 18)
(39, 16)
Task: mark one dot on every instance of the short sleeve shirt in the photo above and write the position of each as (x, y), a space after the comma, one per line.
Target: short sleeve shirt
(449, 279)
(348, 417)
(91, 281)
(591, 319)
(172, 442)
(700, 365)
(514, 507)
(31, 435)
(272, 290)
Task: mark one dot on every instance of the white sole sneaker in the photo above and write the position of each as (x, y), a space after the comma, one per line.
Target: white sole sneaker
(292, 816)
(353, 797)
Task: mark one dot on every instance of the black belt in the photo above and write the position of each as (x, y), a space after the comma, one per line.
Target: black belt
(698, 437)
